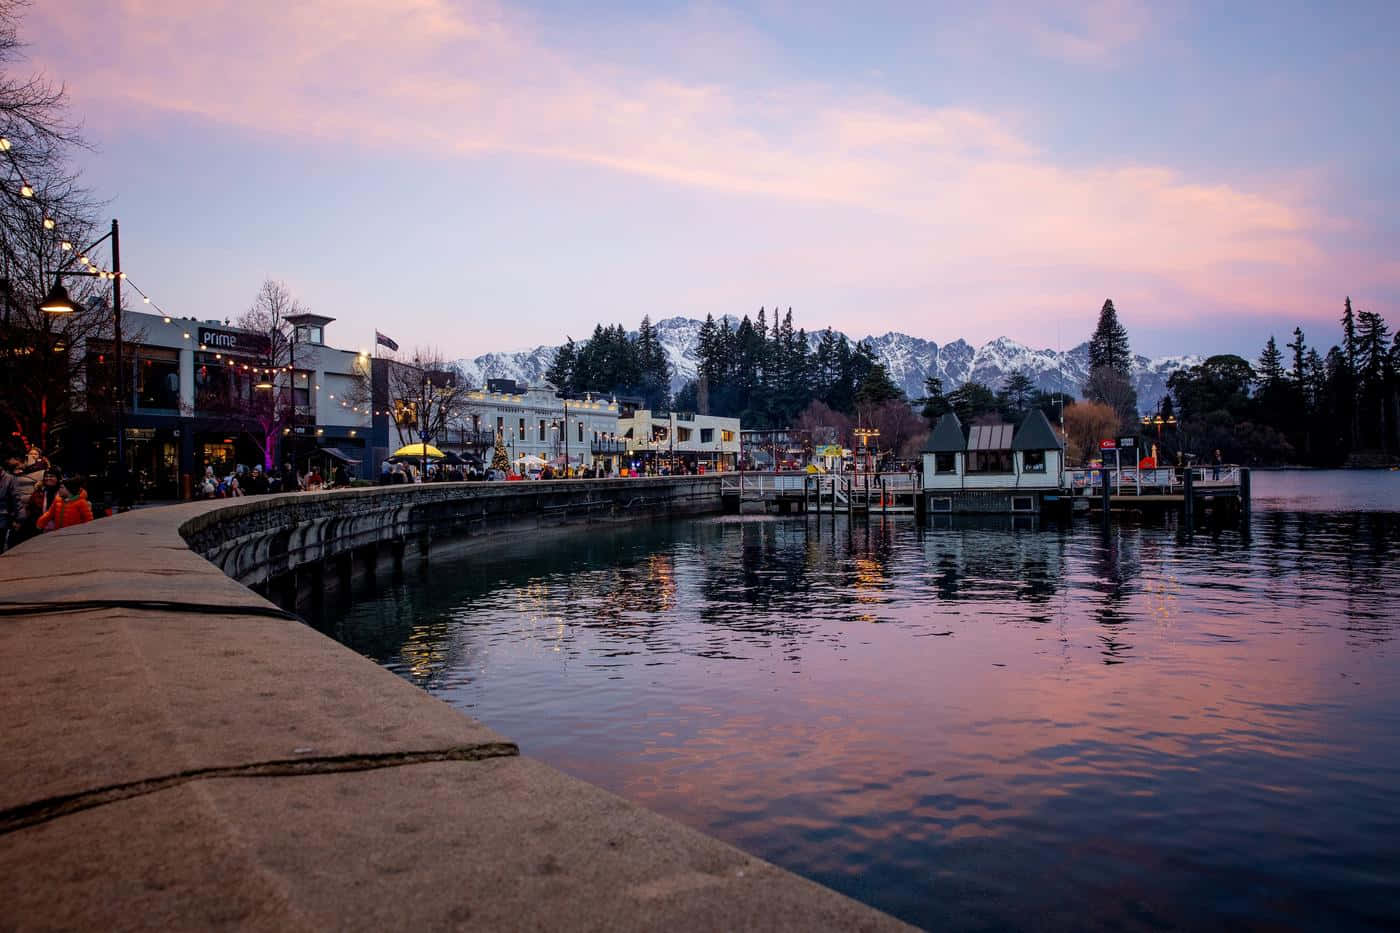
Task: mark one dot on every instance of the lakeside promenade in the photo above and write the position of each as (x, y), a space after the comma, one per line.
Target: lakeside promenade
(181, 753)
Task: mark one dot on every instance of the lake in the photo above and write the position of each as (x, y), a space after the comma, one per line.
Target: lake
(972, 725)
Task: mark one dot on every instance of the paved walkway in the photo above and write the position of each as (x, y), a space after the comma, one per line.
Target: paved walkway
(180, 754)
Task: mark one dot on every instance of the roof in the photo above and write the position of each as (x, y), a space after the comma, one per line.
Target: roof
(1035, 433)
(308, 318)
(947, 436)
(989, 437)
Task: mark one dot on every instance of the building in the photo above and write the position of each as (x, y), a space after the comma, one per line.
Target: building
(203, 394)
(992, 467)
(674, 441)
(532, 421)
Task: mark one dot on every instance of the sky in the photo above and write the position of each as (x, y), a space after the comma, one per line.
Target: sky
(476, 176)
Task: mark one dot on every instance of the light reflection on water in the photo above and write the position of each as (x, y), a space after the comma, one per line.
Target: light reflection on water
(972, 726)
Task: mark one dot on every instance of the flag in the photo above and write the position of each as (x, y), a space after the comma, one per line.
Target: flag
(385, 341)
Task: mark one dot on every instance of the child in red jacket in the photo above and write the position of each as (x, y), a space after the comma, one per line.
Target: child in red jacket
(70, 508)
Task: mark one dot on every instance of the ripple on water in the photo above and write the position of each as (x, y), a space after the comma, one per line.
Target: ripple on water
(973, 726)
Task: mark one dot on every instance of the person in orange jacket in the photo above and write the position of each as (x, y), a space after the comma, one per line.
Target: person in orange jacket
(70, 508)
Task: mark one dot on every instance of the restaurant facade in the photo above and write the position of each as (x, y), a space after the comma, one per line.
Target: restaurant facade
(203, 394)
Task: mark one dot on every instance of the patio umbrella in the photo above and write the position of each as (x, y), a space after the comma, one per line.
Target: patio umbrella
(418, 451)
(529, 460)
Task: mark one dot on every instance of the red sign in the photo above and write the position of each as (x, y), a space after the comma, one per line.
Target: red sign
(1107, 445)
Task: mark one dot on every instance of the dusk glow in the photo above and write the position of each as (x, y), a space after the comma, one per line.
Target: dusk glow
(482, 176)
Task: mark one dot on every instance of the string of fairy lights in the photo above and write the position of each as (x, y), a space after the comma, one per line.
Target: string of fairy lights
(28, 192)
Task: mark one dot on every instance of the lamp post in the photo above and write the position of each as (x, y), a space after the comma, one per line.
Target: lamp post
(57, 301)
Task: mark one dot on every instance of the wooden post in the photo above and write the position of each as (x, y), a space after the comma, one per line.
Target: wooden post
(850, 499)
(884, 499)
(806, 492)
(1244, 496)
(1188, 502)
(1107, 492)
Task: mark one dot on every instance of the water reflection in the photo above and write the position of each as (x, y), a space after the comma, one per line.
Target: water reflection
(973, 725)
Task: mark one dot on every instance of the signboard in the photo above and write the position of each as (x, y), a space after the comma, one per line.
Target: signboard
(1127, 442)
(1107, 445)
(231, 341)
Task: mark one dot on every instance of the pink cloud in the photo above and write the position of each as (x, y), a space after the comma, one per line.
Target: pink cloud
(923, 194)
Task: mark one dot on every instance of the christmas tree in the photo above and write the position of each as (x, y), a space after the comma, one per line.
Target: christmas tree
(499, 459)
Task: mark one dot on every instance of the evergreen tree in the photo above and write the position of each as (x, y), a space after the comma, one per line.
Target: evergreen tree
(1270, 367)
(1300, 357)
(1349, 336)
(971, 400)
(934, 404)
(1015, 395)
(560, 373)
(1109, 344)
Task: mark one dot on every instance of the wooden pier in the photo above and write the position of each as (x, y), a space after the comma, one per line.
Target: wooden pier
(818, 493)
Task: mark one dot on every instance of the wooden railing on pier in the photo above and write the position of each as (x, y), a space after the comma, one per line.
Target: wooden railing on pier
(832, 492)
(1161, 481)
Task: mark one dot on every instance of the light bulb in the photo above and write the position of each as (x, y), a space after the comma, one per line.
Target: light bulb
(148, 301)
(4, 144)
(65, 245)
(48, 223)
(26, 192)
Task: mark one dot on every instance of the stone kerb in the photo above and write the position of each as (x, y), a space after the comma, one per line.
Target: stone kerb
(179, 753)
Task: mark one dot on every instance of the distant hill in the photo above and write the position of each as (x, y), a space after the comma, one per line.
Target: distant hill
(909, 360)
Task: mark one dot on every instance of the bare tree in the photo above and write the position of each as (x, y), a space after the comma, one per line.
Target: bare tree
(902, 430)
(426, 396)
(266, 391)
(43, 208)
(1087, 423)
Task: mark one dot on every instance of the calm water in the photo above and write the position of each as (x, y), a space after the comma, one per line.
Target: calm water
(974, 726)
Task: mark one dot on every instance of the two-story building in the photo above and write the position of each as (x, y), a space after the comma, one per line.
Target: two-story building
(993, 467)
(204, 394)
(680, 441)
(531, 421)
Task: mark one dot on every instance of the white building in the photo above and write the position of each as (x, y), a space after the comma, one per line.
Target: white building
(535, 421)
(1015, 463)
(680, 441)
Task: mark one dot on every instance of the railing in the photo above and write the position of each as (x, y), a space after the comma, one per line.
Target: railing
(1133, 481)
(838, 491)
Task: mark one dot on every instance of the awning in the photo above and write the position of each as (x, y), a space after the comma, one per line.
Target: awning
(337, 453)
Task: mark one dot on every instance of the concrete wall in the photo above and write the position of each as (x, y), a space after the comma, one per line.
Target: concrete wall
(179, 753)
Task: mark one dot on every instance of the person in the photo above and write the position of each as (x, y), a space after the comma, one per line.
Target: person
(386, 470)
(209, 488)
(1216, 462)
(314, 480)
(256, 483)
(342, 476)
(70, 508)
(9, 503)
(40, 501)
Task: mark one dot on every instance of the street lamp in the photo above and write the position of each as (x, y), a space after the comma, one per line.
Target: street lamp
(1149, 420)
(57, 301)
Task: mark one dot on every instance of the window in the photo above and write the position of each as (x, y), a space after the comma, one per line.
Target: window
(301, 394)
(707, 435)
(942, 505)
(541, 430)
(309, 333)
(500, 425)
(989, 461)
(1033, 461)
(580, 432)
(683, 434)
(521, 435)
(945, 463)
(726, 436)
(1022, 504)
(157, 380)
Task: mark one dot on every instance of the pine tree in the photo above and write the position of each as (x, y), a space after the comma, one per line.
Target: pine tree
(1270, 367)
(560, 373)
(1300, 358)
(934, 404)
(1109, 344)
(1349, 336)
(1016, 392)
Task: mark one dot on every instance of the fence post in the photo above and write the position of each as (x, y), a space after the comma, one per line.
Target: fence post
(1188, 502)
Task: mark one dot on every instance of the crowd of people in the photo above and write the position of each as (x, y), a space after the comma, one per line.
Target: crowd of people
(36, 497)
(255, 481)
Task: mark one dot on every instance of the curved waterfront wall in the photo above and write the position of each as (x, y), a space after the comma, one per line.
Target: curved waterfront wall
(181, 752)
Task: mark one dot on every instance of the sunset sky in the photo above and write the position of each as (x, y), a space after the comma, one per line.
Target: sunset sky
(487, 176)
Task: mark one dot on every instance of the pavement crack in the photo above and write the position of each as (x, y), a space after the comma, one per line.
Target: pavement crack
(51, 808)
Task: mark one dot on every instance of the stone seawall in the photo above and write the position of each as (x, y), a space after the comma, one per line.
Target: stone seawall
(181, 753)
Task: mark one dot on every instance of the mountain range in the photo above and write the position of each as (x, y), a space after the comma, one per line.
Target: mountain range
(908, 359)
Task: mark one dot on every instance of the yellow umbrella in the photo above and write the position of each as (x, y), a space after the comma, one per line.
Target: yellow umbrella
(419, 451)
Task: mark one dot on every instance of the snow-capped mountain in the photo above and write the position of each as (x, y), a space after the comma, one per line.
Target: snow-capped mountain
(909, 360)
